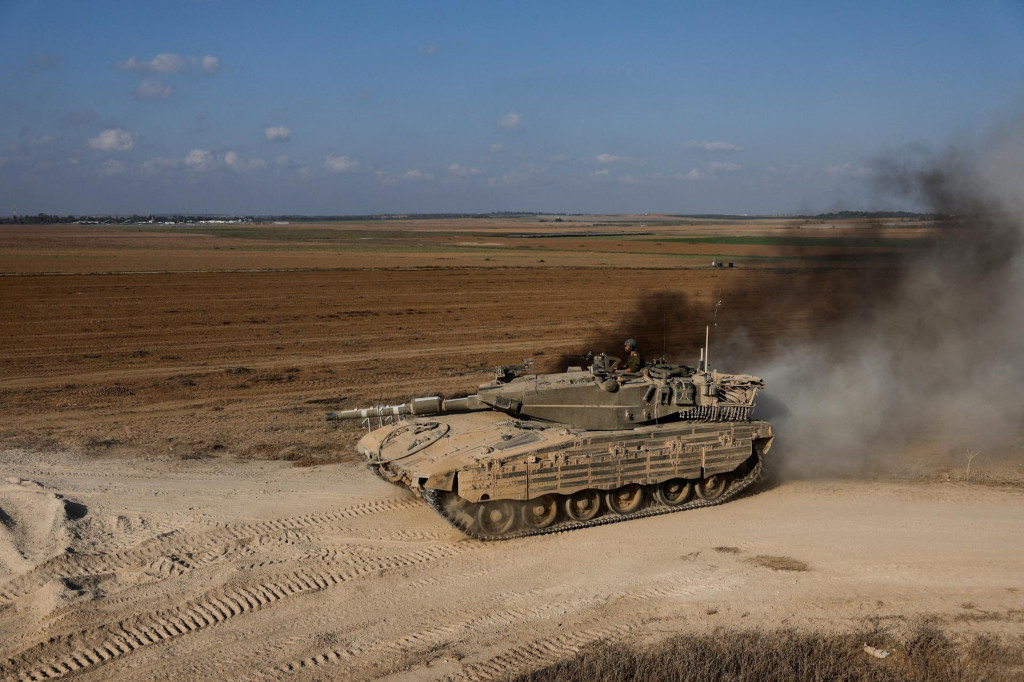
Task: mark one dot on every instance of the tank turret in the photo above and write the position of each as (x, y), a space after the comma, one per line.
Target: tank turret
(597, 398)
(535, 452)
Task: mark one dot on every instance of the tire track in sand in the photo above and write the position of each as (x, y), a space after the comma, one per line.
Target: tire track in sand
(186, 550)
(418, 641)
(536, 654)
(126, 636)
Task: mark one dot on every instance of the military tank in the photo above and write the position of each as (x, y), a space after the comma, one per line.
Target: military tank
(532, 453)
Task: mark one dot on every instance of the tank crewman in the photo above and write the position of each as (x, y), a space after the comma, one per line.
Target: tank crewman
(634, 362)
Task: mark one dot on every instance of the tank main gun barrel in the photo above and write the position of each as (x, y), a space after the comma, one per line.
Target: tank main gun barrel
(416, 406)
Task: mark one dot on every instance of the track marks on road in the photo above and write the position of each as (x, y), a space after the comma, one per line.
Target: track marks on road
(357, 656)
(179, 551)
(536, 654)
(212, 609)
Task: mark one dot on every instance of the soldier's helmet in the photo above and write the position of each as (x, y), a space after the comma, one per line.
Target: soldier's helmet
(631, 344)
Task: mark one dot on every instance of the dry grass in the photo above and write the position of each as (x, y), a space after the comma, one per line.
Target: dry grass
(785, 655)
(778, 563)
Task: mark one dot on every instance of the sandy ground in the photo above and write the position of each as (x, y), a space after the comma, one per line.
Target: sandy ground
(214, 569)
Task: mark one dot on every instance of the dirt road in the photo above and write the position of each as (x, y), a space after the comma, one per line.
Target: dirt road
(211, 569)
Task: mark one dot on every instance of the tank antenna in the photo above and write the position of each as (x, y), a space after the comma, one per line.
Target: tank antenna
(707, 347)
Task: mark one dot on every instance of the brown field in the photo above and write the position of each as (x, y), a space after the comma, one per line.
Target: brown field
(147, 373)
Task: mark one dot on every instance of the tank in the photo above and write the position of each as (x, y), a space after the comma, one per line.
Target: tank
(533, 453)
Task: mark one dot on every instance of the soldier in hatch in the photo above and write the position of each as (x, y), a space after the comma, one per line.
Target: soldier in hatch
(634, 363)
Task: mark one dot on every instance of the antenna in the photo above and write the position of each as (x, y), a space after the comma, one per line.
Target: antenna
(714, 320)
(707, 347)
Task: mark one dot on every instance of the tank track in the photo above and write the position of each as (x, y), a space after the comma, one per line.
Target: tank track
(736, 486)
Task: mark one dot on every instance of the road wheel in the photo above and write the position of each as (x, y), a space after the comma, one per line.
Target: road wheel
(540, 512)
(497, 517)
(673, 492)
(625, 500)
(583, 505)
(712, 487)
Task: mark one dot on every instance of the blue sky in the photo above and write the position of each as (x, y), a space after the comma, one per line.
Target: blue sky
(381, 107)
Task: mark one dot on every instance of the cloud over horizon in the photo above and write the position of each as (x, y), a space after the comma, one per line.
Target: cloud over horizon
(199, 159)
(460, 171)
(278, 133)
(152, 88)
(236, 163)
(114, 140)
(510, 121)
(340, 163)
(715, 146)
(169, 62)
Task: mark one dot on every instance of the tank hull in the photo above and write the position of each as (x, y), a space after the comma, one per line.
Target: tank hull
(495, 478)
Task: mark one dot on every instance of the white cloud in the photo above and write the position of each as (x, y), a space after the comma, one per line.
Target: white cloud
(152, 88)
(428, 50)
(629, 179)
(236, 163)
(510, 121)
(497, 147)
(41, 140)
(206, 64)
(278, 133)
(603, 173)
(462, 171)
(694, 174)
(723, 166)
(559, 157)
(199, 159)
(282, 161)
(414, 174)
(114, 140)
(111, 168)
(165, 62)
(170, 62)
(846, 170)
(340, 164)
(716, 146)
(609, 158)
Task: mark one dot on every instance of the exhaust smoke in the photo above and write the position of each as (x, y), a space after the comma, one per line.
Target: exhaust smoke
(931, 351)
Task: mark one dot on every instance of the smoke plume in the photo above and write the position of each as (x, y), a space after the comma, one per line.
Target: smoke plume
(930, 349)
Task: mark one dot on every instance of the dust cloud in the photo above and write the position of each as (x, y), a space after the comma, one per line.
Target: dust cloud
(930, 353)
